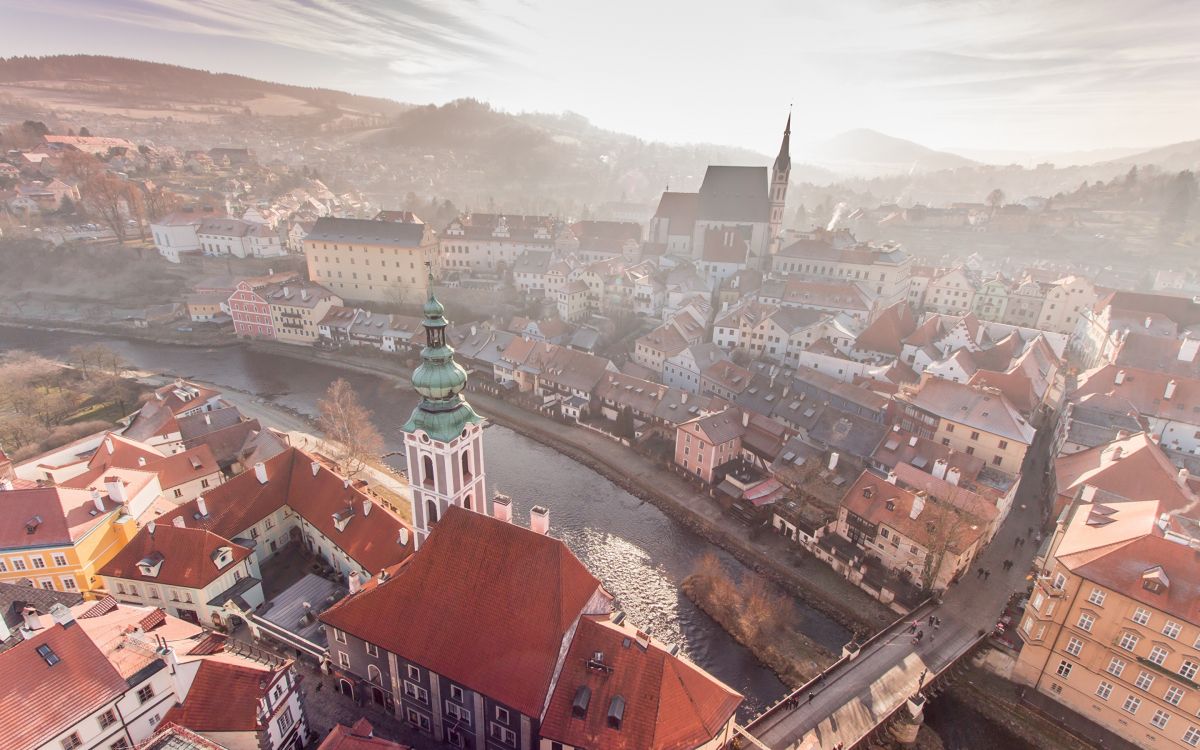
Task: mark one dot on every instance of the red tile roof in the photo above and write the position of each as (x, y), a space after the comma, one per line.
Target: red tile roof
(187, 556)
(39, 701)
(358, 737)
(1134, 468)
(224, 697)
(484, 603)
(669, 703)
(243, 501)
(58, 516)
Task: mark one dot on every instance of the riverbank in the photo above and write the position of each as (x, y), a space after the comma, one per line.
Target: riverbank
(761, 620)
(771, 556)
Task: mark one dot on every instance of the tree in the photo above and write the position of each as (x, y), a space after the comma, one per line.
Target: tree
(80, 167)
(347, 424)
(160, 202)
(105, 196)
(85, 133)
(995, 199)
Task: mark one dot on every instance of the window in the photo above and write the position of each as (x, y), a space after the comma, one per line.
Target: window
(1188, 669)
(3, 566)
(974, 435)
(339, 636)
(502, 715)
(1104, 689)
(1116, 666)
(60, 559)
(414, 673)
(72, 741)
(1144, 680)
(1141, 616)
(1158, 655)
(1171, 629)
(120, 744)
(204, 483)
(18, 564)
(1129, 641)
(1132, 704)
(1173, 695)
(456, 711)
(1060, 582)
(1003, 444)
(1074, 646)
(1160, 719)
(1192, 736)
(372, 649)
(506, 735)
(1097, 597)
(286, 720)
(1086, 621)
(418, 720)
(145, 694)
(416, 692)
(1064, 669)
(997, 460)
(108, 718)
(456, 693)
(38, 562)
(343, 659)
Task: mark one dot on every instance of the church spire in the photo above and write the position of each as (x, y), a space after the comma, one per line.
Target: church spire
(783, 162)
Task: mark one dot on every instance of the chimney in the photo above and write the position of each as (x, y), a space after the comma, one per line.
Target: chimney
(316, 467)
(833, 460)
(150, 527)
(683, 397)
(366, 507)
(260, 472)
(745, 419)
(355, 583)
(891, 477)
(5, 484)
(939, 468)
(953, 476)
(1120, 378)
(207, 418)
(402, 540)
(202, 506)
(287, 291)
(1169, 391)
(918, 505)
(97, 500)
(912, 442)
(1188, 348)
(539, 520)
(1088, 494)
(178, 522)
(1149, 320)
(116, 489)
(141, 461)
(1182, 477)
(304, 294)
(1117, 453)
(502, 508)
(108, 445)
(30, 617)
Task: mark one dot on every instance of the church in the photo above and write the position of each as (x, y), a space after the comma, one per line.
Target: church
(736, 207)
(493, 635)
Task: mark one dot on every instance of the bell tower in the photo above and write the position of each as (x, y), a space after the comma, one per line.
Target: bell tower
(443, 439)
(780, 172)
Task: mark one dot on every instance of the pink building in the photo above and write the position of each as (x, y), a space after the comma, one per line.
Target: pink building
(251, 312)
(704, 443)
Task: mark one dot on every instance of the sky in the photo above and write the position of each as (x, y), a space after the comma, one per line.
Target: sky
(1050, 75)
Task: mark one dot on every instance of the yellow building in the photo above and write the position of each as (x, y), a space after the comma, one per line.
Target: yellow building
(1112, 628)
(58, 537)
(297, 309)
(371, 260)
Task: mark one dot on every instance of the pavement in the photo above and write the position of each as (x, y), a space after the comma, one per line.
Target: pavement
(852, 701)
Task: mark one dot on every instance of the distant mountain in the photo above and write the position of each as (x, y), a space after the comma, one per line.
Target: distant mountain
(1032, 158)
(1173, 158)
(867, 153)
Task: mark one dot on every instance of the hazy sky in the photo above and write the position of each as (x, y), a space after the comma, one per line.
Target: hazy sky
(998, 74)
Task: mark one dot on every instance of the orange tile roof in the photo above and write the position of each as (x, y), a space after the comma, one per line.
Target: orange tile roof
(58, 516)
(484, 603)
(669, 703)
(39, 701)
(868, 498)
(224, 697)
(187, 556)
(358, 737)
(1134, 468)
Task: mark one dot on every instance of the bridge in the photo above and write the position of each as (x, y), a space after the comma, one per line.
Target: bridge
(865, 690)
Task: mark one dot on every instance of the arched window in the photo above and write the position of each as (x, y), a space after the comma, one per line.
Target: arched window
(466, 465)
(431, 513)
(427, 471)
(469, 502)
(374, 675)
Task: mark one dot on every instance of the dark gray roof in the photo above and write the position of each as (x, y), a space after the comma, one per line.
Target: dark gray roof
(199, 425)
(14, 597)
(330, 229)
(847, 433)
(734, 194)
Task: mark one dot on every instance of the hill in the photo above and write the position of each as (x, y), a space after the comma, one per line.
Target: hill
(867, 152)
(1175, 157)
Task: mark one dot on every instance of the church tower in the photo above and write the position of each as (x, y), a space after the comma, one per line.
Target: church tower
(443, 439)
(780, 173)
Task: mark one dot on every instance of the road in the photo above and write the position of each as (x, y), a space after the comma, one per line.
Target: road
(856, 697)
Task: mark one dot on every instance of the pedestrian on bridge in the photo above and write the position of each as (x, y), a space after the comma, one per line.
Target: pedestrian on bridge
(811, 696)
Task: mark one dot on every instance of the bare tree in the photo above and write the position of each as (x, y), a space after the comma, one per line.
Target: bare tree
(105, 196)
(995, 199)
(347, 424)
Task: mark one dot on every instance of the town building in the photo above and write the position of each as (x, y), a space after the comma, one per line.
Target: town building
(297, 309)
(490, 244)
(1064, 302)
(370, 260)
(704, 444)
(883, 271)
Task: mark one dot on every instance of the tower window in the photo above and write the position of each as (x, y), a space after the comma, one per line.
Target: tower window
(431, 513)
(427, 471)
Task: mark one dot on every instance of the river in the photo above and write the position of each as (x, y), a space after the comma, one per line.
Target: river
(639, 553)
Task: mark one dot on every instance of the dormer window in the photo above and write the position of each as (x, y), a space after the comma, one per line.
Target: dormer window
(1155, 580)
(616, 712)
(342, 517)
(150, 564)
(222, 556)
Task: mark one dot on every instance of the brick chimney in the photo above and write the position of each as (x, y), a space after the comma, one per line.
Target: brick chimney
(539, 520)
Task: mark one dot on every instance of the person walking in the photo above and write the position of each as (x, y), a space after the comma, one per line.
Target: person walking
(811, 696)
(987, 574)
